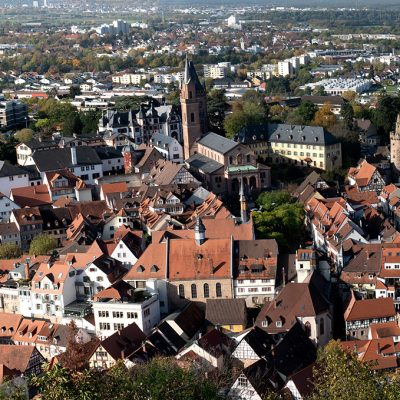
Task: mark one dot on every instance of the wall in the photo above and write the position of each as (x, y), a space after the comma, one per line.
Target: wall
(12, 182)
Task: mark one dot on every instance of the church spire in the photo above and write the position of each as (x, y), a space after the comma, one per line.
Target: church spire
(186, 76)
(243, 202)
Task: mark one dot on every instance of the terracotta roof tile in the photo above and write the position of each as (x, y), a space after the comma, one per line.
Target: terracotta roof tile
(226, 312)
(31, 196)
(370, 309)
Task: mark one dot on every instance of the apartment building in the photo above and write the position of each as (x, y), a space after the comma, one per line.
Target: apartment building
(214, 71)
(130, 79)
(13, 114)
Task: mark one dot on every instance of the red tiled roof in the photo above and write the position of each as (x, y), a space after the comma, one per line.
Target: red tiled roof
(30, 196)
(117, 187)
(370, 308)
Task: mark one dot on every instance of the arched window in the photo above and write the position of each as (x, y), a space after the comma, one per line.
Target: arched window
(190, 94)
(206, 291)
(181, 291)
(248, 158)
(308, 329)
(240, 159)
(230, 160)
(218, 289)
(192, 117)
(321, 326)
(194, 291)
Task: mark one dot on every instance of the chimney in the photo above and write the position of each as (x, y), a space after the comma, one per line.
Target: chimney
(367, 254)
(275, 303)
(34, 190)
(48, 265)
(26, 271)
(378, 349)
(40, 139)
(283, 276)
(73, 156)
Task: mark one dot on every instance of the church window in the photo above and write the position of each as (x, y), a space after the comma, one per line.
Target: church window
(248, 158)
(194, 291)
(240, 159)
(230, 160)
(181, 291)
(308, 329)
(192, 117)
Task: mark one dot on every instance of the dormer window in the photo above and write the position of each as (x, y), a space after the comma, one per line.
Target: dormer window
(154, 269)
(48, 224)
(278, 136)
(290, 137)
(160, 201)
(254, 137)
(139, 269)
(33, 217)
(315, 139)
(303, 138)
(56, 223)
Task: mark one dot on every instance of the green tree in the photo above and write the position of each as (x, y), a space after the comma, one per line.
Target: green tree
(340, 375)
(319, 91)
(73, 124)
(24, 135)
(216, 108)
(126, 103)
(9, 251)
(42, 244)
(74, 91)
(306, 111)
(371, 72)
(347, 113)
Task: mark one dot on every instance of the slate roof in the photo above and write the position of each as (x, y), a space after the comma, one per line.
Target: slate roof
(217, 142)
(205, 164)
(48, 160)
(283, 133)
(7, 169)
(226, 311)
(106, 153)
(159, 140)
(260, 341)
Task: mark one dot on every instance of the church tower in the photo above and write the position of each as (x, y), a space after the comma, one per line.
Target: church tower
(395, 151)
(129, 154)
(244, 212)
(194, 109)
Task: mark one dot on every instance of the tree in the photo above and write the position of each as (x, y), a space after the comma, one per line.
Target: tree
(216, 108)
(324, 117)
(73, 124)
(9, 251)
(371, 72)
(74, 91)
(319, 90)
(24, 135)
(161, 378)
(75, 357)
(306, 111)
(350, 95)
(340, 375)
(126, 103)
(347, 113)
(42, 244)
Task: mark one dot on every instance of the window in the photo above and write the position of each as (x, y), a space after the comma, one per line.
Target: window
(181, 291)
(264, 324)
(192, 117)
(278, 324)
(99, 279)
(118, 327)
(104, 326)
(85, 177)
(118, 314)
(193, 288)
(132, 315)
(206, 290)
(103, 314)
(321, 326)
(218, 289)
(242, 381)
(307, 329)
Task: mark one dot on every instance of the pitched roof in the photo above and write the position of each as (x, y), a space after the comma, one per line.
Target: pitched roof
(48, 160)
(217, 143)
(9, 323)
(226, 311)
(124, 342)
(16, 357)
(189, 319)
(295, 300)
(30, 196)
(370, 309)
(187, 260)
(25, 216)
(7, 169)
(259, 340)
(118, 187)
(203, 163)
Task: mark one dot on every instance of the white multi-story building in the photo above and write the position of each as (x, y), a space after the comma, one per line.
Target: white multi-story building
(53, 287)
(6, 206)
(128, 79)
(285, 68)
(168, 146)
(214, 71)
(132, 305)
